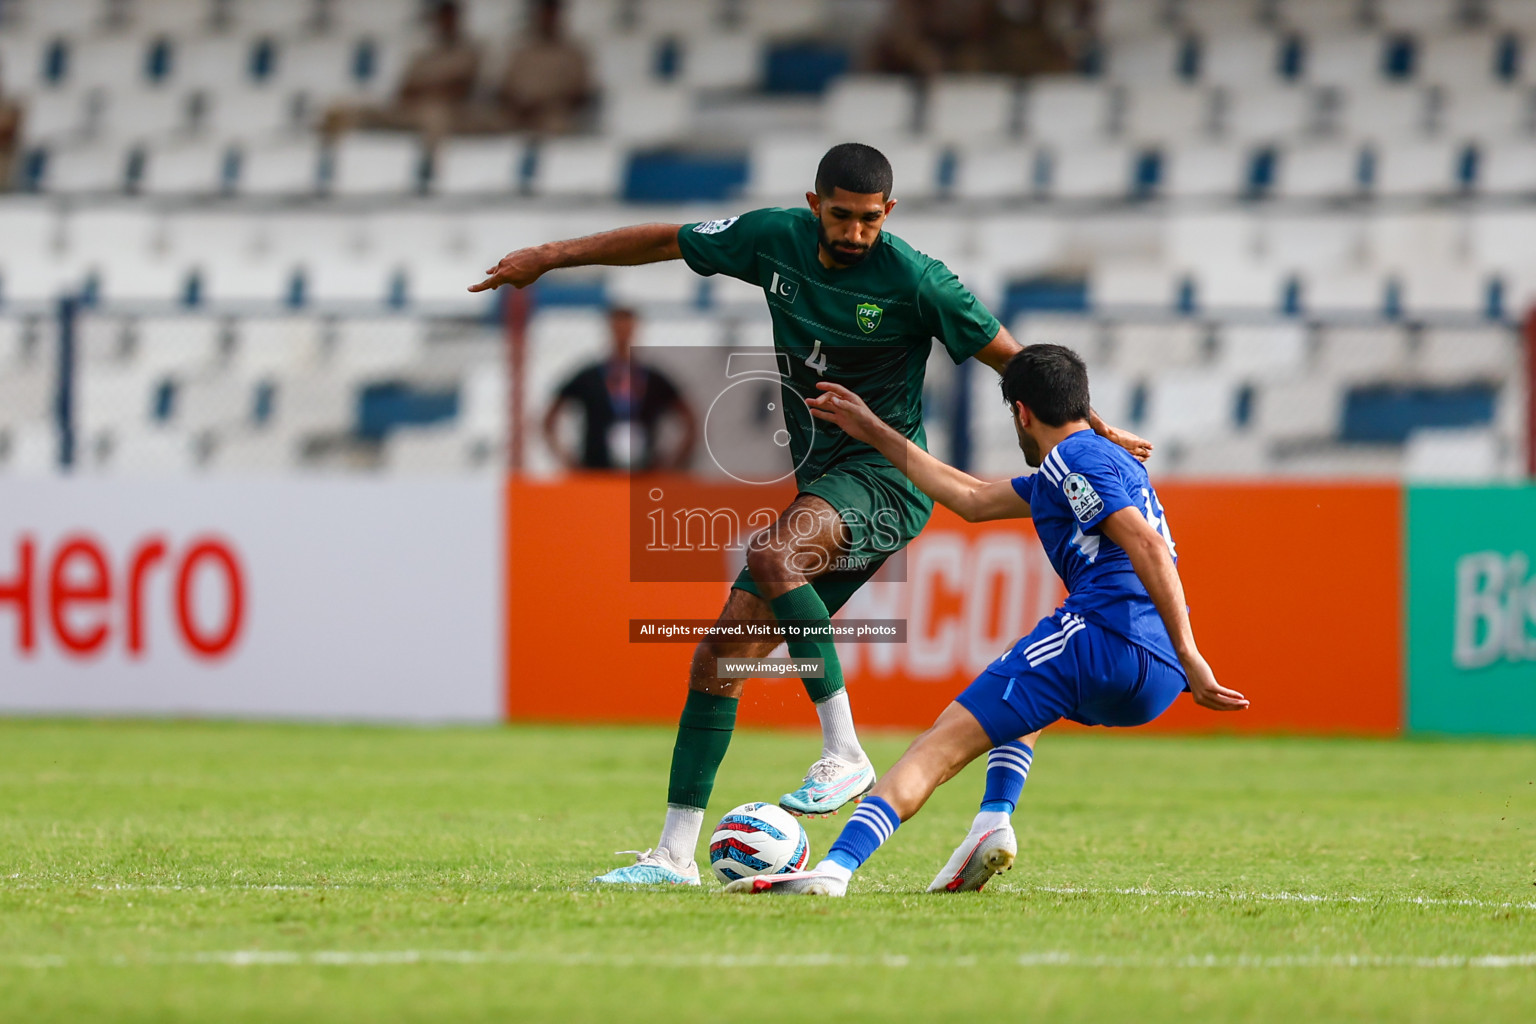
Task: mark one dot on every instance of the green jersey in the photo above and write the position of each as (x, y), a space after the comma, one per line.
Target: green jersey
(868, 327)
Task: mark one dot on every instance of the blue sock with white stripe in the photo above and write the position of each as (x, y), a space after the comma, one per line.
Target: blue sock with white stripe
(872, 824)
(1007, 771)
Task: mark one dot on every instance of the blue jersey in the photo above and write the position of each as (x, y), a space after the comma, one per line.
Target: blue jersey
(1084, 480)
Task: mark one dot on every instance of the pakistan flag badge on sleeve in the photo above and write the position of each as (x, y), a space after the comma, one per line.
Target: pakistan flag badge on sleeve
(869, 317)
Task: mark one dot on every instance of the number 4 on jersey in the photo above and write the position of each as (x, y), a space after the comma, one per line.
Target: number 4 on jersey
(817, 360)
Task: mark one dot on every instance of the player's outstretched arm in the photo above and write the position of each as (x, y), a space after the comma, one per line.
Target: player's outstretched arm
(1155, 567)
(622, 247)
(971, 499)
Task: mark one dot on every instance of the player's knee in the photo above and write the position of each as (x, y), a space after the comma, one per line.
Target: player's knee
(768, 564)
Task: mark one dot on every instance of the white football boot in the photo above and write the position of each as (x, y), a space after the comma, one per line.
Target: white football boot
(651, 867)
(976, 860)
(830, 783)
(795, 883)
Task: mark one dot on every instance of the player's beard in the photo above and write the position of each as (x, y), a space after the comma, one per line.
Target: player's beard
(1029, 446)
(842, 258)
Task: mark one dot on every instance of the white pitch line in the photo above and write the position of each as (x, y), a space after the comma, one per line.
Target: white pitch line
(384, 958)
(1059, 890)
(1277, 897)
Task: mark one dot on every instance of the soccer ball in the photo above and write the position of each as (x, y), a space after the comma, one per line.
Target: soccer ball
(757, 839)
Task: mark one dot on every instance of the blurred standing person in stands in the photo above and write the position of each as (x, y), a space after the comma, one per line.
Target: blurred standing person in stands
(436, 92)
(1016, 37)
(622, 405)
(546, 85)
(10, 132)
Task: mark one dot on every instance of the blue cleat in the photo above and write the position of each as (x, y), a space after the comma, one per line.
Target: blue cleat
(651, 867)
(831, 783)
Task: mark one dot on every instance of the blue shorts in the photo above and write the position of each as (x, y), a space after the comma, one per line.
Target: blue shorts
(1070, 668)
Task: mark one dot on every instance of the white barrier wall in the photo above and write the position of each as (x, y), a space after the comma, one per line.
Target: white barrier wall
(264, 598)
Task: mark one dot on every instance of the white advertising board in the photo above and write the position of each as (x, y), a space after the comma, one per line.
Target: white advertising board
(282, 598)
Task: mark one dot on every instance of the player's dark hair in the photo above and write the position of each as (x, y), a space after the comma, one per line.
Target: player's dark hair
(856, 168)
(1051, 381)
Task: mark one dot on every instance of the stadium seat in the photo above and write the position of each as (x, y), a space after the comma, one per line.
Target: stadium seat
(1449, 355)
(726, 60)
(1177, 114)
(1494, 116)
(878, 106)
(669, 283)
(914, 167)
(1419, 169)
(149, 17)
(784, 19)
(1238, 285)
(85, 168)
(1018, 245)
(176, 345)
(1144, 349)
(1248, 61)
(106, 62)
(277, 346)
(1188, 405)
(679, 17)
(971, 108)
(368, 348)
(433, 450)
(29, 450)
(1218, 15)
(214, 402)
(1357, 354)
(274, 16)
(1144, 60)
(1195, 238)
(251, 115)
(1132, 284)
(647, 115)
(101, 338)
(779, 166)
(467, 166)
(281, 167)
(1346, 292)
(27, 395)
(1121, 18)
(1226, 456)
(1508, 169)
(577, 167)
(1321, 242)
(1211, 170)
(372, 15)
(1453, 454)
(1386, 114)
(1300, 409)
(58, 115)
(30, 267)
(185, 169)
(1514, 14)
(1321, 15)
(994, 172)
(1319, 171)
(152, 452)
(679, 332)
(1461, 60)
(1345, 60)
(215, 62)
(376, 164)
(1501, 238)
(246, 453)
(1090, 172)
(312, 403)
(1066, 112)
(1276, 114)
(1082, 334)
(1258, 352)
(1426, 16)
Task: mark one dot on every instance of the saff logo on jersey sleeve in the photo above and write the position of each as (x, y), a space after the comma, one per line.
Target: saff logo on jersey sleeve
(714, 227)
(1085, 501)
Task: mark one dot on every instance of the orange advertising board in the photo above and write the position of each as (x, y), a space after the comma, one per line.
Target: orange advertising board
(1294, 589)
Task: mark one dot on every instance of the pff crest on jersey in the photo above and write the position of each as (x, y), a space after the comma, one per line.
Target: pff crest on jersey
(868, 314)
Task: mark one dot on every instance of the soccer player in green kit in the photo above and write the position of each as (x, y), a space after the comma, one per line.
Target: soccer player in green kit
(851, 304)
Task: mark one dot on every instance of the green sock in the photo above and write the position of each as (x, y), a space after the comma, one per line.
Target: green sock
(805, 605)
(703, 734)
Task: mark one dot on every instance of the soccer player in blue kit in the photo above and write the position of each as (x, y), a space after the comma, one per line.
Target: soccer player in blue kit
(1117, 653)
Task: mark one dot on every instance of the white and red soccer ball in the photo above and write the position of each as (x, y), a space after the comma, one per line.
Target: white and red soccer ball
(758, 839)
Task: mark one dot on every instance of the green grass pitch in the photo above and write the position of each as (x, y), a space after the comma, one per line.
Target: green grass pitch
(188, 871)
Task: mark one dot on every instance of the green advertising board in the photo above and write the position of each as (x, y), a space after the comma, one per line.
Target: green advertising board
(1471, 629)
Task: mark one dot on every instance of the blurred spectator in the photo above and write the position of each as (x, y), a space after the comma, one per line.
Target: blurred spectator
(622, 404)
(435, 95)
(1016, 37)
(10, 132)
(546, 83)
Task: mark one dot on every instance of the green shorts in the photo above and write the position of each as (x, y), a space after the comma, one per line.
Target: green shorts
(883, 512)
